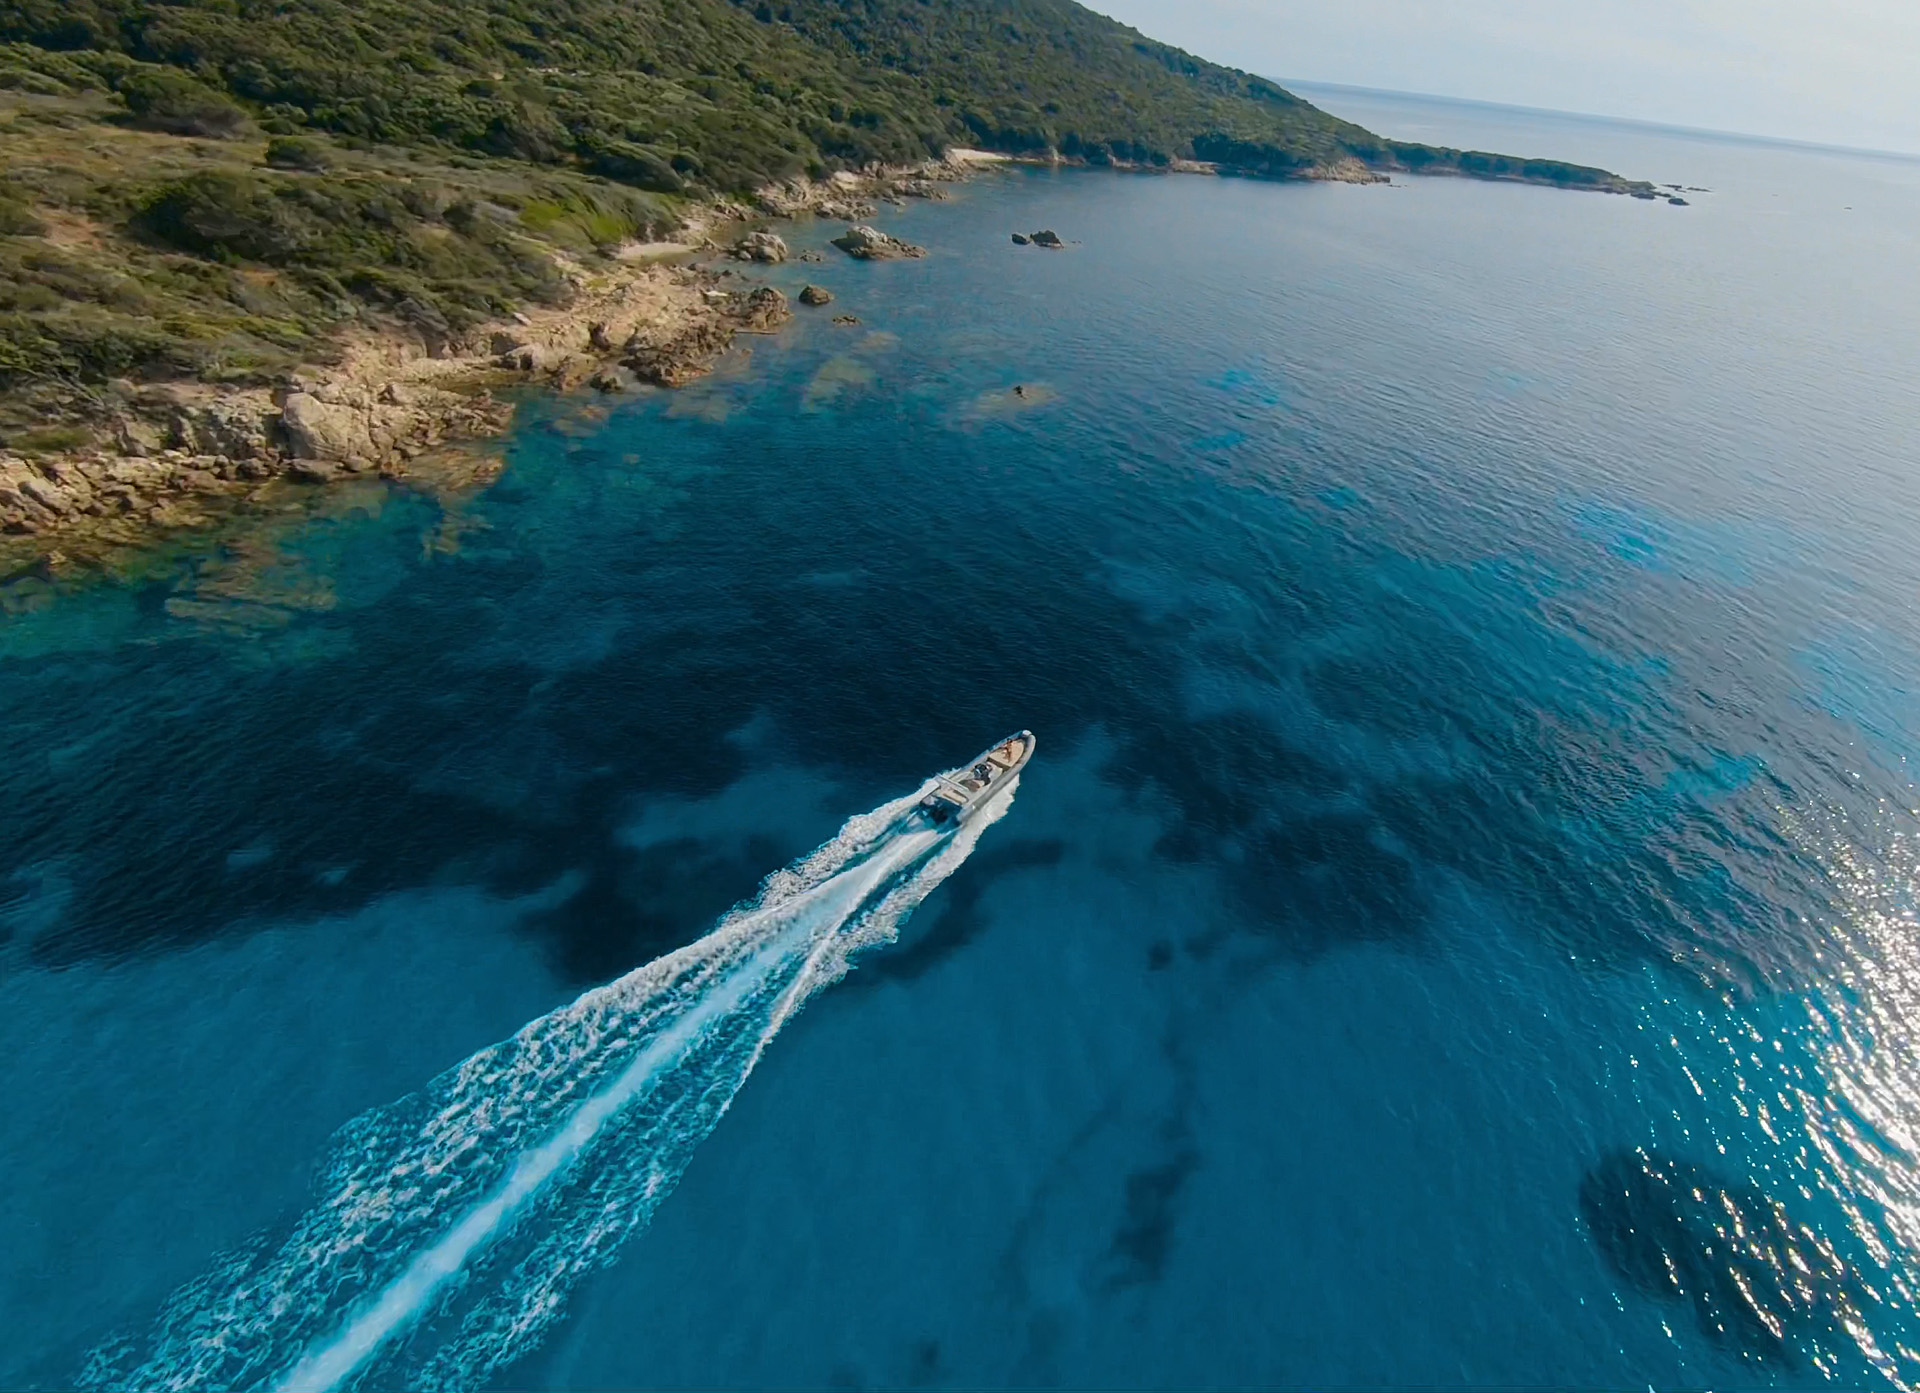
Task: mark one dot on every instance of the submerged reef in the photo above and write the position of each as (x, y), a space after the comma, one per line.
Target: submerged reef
(1758, 1280)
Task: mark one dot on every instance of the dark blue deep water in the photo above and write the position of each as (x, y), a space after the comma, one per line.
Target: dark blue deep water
(1460, 926)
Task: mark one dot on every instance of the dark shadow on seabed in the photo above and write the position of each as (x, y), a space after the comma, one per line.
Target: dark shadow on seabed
(1760, 1282)
(421, 748)
(186, 795)
(955, 914)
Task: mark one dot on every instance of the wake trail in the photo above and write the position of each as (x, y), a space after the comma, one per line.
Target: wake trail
(452, 1225)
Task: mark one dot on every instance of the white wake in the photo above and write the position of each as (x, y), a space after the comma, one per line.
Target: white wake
(453, 1224)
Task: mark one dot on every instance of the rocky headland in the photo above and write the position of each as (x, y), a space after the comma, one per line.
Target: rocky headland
(242, 245)
(659, 313)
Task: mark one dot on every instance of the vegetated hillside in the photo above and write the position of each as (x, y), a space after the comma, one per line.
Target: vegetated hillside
(141, 254)
(727, 95)
(211, 188)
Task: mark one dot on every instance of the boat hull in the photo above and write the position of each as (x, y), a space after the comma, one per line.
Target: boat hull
(959, 794)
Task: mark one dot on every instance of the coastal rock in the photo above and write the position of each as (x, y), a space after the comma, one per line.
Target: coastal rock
(454, 416)
(136, 475)
(347, 428)
(1346, 170)
(837, 198)
(133, 436)
(239, 428)
(846, 319)
(1020, 239)
(534, 357)
(1047, 237)
(49, 496)
(158, 454)
(329, 431)
(436, 335)
(815, 295)
(44, 567)
(1677, 201)
(870, 244)
(20, 511)
(65, 472)
(763, 311)
(761, 246)
(677, 359)
(571, 371)
(810, 255)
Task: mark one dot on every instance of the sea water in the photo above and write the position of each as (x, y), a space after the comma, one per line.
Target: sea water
(1458, 927)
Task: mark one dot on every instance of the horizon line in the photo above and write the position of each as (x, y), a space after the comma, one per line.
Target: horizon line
(1668, 127)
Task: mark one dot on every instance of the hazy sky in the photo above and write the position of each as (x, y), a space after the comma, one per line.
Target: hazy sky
(1844, 72)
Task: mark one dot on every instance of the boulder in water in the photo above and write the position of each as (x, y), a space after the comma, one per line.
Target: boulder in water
(1047, 237)
(815, 295)
(761, 246)
(1020, 239)
(870, 244)
(764, 311)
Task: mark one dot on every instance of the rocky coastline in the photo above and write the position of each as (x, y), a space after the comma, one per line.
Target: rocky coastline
(658, 313)
(175, 455)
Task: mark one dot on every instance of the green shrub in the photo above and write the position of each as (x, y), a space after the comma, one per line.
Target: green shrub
(50, 439)
(541, 215)
(633, 164)
(14, 79)
(90, 349)
(297, 152)
(17, 220)
(165, 100)
(1251, 156)
(227, 216)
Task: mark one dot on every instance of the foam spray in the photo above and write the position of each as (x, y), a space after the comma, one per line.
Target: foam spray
(451, 1226)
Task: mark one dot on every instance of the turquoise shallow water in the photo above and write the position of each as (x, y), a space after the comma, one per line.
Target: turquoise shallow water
(1458, 929)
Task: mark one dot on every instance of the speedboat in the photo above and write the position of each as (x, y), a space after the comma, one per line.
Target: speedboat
(960, 793)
